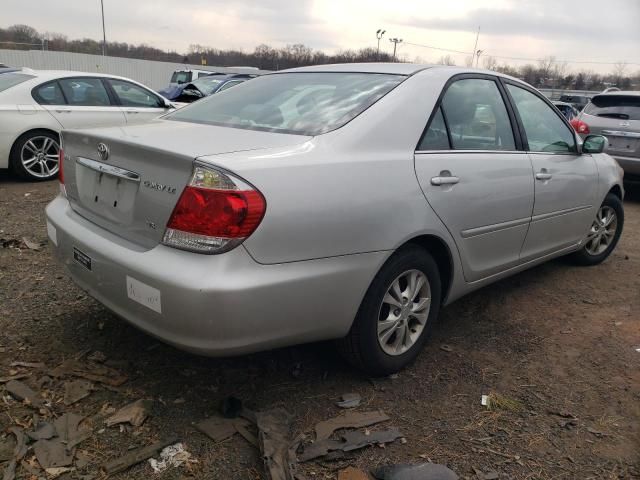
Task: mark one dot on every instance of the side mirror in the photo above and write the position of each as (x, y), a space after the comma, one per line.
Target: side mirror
(594, 144)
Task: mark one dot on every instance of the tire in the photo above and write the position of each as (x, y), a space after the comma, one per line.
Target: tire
(41, 146)
(592, 252)
(362, 347)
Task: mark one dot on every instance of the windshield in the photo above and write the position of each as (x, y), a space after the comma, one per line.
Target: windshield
(207, 84)
(8, 80)
(299, 103)
(181, 77)
(624, 107)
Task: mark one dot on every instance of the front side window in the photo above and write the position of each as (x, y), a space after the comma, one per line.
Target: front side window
(132, 95)
(545, 130)
(229, 85)
(623, 107)
(11, 79)
(49, 94)
(302, 103)
(435, 138)
(477, 116)
(86, 92)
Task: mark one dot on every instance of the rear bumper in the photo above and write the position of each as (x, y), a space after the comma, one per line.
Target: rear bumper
(214, 305)
(630, 165)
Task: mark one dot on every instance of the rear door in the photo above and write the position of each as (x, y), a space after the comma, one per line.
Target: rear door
(474, 175)
(565, 181)
(78, 102)
(138, 104)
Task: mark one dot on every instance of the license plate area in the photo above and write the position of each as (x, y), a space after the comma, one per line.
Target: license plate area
(623, 144)
(106, 190)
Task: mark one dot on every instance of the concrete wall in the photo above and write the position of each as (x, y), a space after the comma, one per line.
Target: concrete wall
(153, 74)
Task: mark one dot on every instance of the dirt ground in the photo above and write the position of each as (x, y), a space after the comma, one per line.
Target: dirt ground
(558, 343)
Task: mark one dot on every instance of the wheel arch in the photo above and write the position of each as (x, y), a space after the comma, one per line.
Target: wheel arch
(441, 253)
(617, 191)
(30, 130)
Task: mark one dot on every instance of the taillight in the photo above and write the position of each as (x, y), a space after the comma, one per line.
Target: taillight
(580, 126)
(215, 212)
(63, 190)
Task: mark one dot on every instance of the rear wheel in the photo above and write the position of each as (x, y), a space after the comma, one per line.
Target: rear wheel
(397, 314)
(34, 155)
(604, 233)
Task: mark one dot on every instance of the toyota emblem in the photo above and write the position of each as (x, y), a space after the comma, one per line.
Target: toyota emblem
(103, 152)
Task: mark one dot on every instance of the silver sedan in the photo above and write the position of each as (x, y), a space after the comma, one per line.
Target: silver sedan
(346, 202)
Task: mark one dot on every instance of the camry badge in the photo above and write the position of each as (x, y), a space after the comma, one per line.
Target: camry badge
(103, 152)
(625, 124)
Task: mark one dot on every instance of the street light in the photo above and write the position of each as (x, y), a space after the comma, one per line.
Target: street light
(379, 35)
(104, 34)
(395, 42)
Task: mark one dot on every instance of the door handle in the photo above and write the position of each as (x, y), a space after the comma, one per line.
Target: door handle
(61, 110)
(543, 175)
(445, 178)
(132, 111)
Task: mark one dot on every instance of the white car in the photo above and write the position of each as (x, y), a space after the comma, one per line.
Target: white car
(36, 105)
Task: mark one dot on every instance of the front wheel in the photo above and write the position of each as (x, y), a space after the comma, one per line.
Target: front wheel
(397, 314)
(604, 233)
(34, 156)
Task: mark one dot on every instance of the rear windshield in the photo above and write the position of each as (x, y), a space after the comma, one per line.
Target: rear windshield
(624, 107)
(181, 77)
(298, 103)
(8, 80)
(207, 84)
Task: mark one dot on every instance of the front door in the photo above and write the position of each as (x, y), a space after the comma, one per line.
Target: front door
(565, 181)
(475, 178)
(138, 104)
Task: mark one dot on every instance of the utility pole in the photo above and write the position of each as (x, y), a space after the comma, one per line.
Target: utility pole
(395, 42)
(478, 53)
(379, 35)
(104, 34)
(475, 47)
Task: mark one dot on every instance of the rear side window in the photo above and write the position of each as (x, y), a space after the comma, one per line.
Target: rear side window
(435, 138)
(49, 94)
(87, 92)
(8, 80)
(477, 116)
(132, 95)
(229, 85)
(624, 107)
(545, 130)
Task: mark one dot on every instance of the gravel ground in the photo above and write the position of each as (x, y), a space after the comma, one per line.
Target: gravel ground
(557, 345)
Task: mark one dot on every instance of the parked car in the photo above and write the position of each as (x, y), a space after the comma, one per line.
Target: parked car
(250, 220)
(203, 87)
(616, 115)
(578, 101)
(568, 110)
(36, 105)
(178, 77)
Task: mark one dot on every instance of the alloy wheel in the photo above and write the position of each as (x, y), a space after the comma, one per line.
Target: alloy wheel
(39, 156)
(404, 312)
(602, 232)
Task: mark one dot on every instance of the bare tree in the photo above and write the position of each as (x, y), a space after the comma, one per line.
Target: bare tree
(490, 63)
(446, 60)
(545, 67)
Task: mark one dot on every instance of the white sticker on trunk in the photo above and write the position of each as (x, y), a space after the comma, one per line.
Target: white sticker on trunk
(51, 232)
(144, 294)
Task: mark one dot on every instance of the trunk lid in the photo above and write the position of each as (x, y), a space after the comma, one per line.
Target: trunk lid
(132, 190)
(617, 117)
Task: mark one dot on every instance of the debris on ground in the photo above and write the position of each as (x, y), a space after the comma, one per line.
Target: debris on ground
(496, 401)
(274, 435)
(349, 400)
(326, 428)
(20, 450)
(52, 453)
(493, 475)
(55, 472)
(97, 357)
(19, 376)
(352, 474)
(134, 413)
(30, 245)
(27, 364)
(349, 441)
(124, 462)
(76, 390)
(23, 393)
(422, 471)
(171, 456)
(446, 348)
(43, 431)
(219, 429)
(89, 371)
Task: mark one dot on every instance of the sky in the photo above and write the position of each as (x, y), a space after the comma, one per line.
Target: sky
(576, 31)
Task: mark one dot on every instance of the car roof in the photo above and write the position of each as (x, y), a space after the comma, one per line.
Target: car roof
(626, 93)
(558, 102)
(53, 74)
